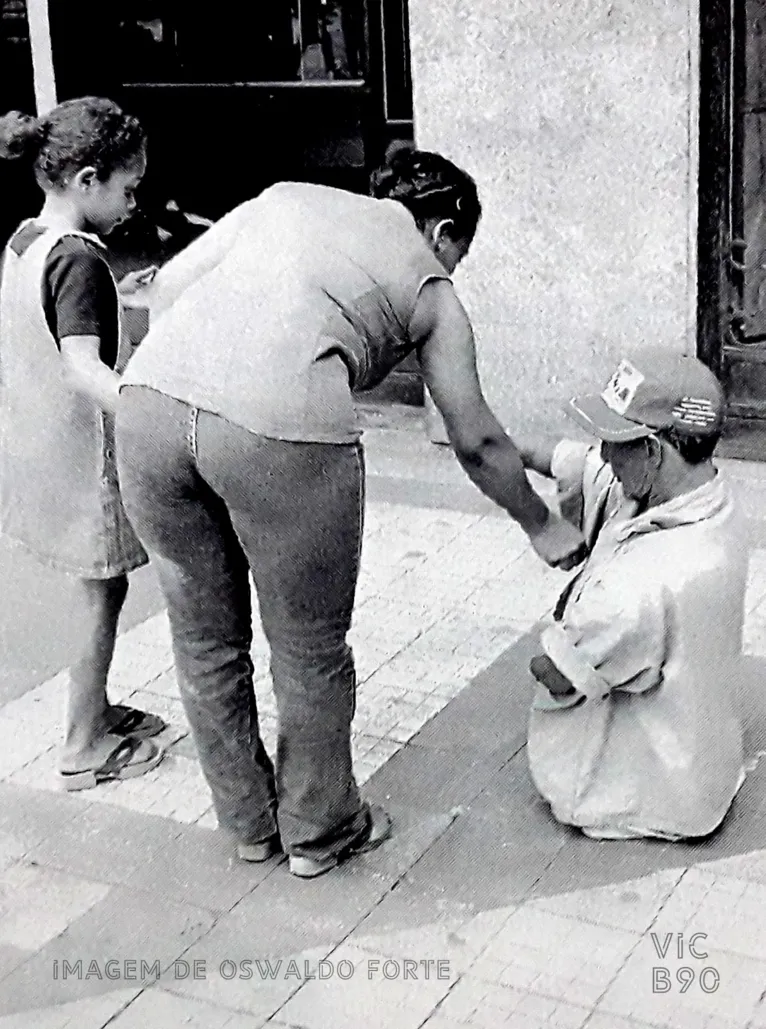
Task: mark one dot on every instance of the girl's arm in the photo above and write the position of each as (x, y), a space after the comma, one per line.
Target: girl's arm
(81, 309)
(87, 373)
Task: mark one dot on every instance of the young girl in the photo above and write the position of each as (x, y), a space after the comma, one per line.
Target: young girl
(60, 363)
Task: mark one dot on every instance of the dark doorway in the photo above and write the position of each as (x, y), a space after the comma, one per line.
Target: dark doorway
(20, 195)
(732, 222)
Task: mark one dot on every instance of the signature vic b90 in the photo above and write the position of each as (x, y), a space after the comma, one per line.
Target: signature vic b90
(681, 978)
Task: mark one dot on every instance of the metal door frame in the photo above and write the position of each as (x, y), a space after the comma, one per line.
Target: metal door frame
(722, 340)
(715, 287)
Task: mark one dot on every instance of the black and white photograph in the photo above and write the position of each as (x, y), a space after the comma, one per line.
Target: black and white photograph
(383, 514)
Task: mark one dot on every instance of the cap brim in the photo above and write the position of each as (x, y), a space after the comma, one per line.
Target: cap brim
(593, 415)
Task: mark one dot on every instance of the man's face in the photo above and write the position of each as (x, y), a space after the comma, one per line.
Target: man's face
(632, 465)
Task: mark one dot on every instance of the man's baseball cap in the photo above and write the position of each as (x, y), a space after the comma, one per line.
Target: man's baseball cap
(653, 392)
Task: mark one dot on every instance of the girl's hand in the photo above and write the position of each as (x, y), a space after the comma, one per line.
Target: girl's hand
(134, 288)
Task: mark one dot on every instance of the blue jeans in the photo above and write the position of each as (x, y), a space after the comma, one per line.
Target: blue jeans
(212, 502)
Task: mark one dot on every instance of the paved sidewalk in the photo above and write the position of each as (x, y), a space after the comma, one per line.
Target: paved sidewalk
(480, 912)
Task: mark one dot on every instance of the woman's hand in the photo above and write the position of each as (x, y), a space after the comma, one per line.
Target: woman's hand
(134, 289)
(559, 543)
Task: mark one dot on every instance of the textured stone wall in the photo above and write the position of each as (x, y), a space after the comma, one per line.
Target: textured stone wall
(576, 118)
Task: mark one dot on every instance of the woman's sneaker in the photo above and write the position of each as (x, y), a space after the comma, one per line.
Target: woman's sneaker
(377, 832)
(256, 853)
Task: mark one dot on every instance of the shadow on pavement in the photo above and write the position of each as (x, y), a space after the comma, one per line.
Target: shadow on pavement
(471, 836)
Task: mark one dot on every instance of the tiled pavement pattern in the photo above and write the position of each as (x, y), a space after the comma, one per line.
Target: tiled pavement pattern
(442, 593)
(533, 926)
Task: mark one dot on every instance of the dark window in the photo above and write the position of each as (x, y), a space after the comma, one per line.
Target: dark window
(291, 41)
(396, 58)
(20, 195)
(16, 79)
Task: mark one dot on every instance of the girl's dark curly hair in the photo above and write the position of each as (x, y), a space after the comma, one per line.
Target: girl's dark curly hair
(88, 132)
(430, 187)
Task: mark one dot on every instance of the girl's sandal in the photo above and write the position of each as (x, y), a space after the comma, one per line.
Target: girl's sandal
(130, 758)
(132, 721)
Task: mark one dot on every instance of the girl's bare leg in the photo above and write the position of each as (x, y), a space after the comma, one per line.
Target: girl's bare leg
(87, 742)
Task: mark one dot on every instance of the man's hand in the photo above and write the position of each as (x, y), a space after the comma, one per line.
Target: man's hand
(559, 543)
(548, 675)
(134, 288)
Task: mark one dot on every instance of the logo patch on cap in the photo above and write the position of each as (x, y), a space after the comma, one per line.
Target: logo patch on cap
(622, 387)
(696, 412)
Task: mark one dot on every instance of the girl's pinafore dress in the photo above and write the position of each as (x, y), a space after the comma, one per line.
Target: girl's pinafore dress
(59, 492)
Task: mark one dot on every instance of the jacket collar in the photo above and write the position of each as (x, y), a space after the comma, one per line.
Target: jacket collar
(699, 505)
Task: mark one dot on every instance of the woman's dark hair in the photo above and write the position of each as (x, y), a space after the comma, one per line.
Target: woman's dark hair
(88, 132)
(693, 449)
(430, 187)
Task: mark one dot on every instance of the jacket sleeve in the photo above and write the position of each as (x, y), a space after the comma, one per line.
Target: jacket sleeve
(585, 486)
(568, 469)
(618, 643)
(582, 479)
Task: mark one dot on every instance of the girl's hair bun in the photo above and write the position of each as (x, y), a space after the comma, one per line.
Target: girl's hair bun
(88, 132)
(20, 135)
